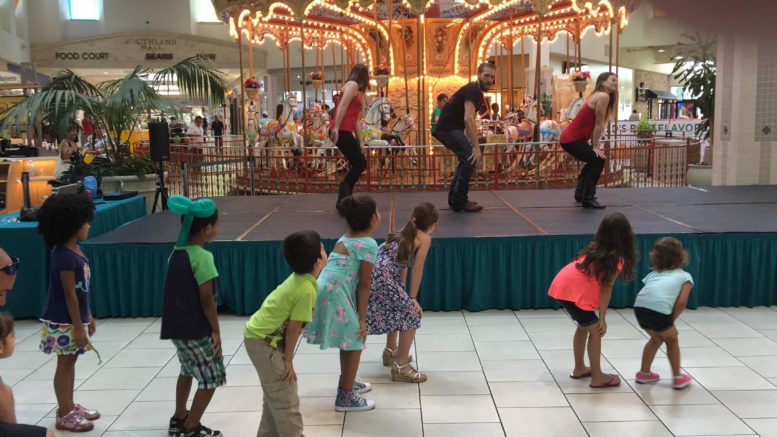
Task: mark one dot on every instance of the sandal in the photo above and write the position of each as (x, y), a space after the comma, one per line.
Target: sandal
(390, 356)
(406, 373)
(614, 381)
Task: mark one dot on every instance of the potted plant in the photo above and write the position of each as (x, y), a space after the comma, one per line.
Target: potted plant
(252, 89)
(117, 107)
(580, 80)
(382, 73)
(643, 129)
(317, 77)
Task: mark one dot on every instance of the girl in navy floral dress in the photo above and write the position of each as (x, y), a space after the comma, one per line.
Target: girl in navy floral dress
(392, 309)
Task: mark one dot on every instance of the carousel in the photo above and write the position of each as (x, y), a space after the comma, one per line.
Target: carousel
(417, 50)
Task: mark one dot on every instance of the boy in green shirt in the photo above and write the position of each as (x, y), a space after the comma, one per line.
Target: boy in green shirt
(442, 99)
(271, 334)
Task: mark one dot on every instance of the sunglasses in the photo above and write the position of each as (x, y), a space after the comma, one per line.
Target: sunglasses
(12, 268)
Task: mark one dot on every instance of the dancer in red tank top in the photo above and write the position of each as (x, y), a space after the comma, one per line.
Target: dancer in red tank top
(588, 125)
(345, 131)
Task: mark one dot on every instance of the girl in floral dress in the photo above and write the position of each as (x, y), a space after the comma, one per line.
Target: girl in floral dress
(340, 315)
(392, 309)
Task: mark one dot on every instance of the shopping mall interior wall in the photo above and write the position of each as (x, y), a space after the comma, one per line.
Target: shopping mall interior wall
(14, 45)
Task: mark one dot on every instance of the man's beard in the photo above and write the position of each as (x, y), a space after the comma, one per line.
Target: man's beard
(483, 86)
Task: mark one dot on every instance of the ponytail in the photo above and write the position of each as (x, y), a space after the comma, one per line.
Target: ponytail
(424, 216)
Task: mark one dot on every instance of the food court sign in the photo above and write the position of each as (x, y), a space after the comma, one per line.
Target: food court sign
(129, 50)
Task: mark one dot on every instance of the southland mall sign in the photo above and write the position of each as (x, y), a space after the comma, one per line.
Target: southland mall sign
(129, 50)
(674, 128)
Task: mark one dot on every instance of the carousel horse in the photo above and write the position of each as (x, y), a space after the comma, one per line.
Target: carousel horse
(376, 119)
(289, 132)
(318, 134)
(396, 138)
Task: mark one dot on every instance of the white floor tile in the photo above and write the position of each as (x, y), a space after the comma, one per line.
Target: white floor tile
(545, 422)
(448, 361)
(142, 358)
(552, 340)
(458, 409)
(398, 395)
(764, 427)
(748, 347)
(120, 378)
(320, 411)
(25, 361)
(516, 370)
(445, 343)
(540, 313)
(324, 430)
(569, 385)
(697, 420)
(383, 423)
(506, 350)
(491, 318)
(527, 394)
(318, 384)
(162, 389)
(150, 340)
(707, 357)
(33, 413)
(765, 366)
(625, 348)
(630, 429)
(443, 327)
(241, 375)
(232, 423)
(235, 400)
(662, 393)
(454, 383)
(750, 404)
(609, 407)
(108, 402)
(498, 333)
(729, 378)
(34, 391)
(463, 430)
(143, 416)
(547, 325)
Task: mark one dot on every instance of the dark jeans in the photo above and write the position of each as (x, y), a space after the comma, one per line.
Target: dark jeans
(350, 148)
(458, 143)
(582, 151)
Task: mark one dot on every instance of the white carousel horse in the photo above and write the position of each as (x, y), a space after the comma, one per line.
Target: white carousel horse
(376, 119)
(318, 132)
(396, 138)
(289, 132)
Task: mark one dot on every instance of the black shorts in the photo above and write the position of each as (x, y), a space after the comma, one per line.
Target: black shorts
(583, 317)
(650, 320)
(21, 430)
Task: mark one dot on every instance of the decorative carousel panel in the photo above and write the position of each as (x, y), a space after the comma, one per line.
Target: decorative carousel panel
(405, 42)
(441, 36)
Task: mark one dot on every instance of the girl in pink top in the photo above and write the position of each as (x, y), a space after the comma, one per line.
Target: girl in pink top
(585, 285)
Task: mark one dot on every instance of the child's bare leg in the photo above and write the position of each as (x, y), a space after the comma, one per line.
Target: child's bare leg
(182, 390)
(672, 349)
(391, 341)
(405, 343)
(201, 400)
(349, 365)
(649, 352)
(578, 346)
(595, 357)
(64, 379)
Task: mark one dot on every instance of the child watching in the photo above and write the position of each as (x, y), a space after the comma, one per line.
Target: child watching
(271, 334)
(8, 425)
(659, 304)
(64, 220)
(189, 316)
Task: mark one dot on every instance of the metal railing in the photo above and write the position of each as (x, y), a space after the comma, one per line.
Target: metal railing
(207, 169)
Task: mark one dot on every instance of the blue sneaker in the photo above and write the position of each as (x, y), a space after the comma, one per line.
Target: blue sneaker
(361, 387)
(349, 401)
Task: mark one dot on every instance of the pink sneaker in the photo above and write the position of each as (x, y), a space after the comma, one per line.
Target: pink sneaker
(88, 414)
(74, 421)
(682, 381)
(643, 378)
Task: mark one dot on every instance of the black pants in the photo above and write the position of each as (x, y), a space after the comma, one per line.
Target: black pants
(352, 151)
(589, 175)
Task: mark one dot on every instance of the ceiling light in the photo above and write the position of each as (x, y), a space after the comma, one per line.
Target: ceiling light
(678, 57)
(661, 50)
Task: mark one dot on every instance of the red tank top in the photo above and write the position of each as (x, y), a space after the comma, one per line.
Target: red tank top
(581, 128)
(351, 114)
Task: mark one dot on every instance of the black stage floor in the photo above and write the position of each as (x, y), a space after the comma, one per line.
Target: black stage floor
(506, 213)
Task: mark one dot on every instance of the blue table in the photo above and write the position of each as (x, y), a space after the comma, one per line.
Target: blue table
(21, 239)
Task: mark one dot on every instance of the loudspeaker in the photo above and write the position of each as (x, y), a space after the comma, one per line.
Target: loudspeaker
(159, 141)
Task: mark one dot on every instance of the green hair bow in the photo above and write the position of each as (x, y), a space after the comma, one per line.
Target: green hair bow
(190, 209)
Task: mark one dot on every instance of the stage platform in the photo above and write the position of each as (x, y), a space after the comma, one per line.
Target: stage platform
(503, 257)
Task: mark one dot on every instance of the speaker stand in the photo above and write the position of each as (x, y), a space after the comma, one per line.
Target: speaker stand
(160, 197)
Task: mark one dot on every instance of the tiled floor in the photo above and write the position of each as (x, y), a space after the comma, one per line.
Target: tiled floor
(494, 373)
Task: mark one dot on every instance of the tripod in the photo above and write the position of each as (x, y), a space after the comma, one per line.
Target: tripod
(161, 190)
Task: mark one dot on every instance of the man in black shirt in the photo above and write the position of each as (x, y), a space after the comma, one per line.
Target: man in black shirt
(457, 130)
(218, 131)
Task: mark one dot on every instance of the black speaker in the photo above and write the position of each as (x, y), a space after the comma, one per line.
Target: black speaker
(159, 141)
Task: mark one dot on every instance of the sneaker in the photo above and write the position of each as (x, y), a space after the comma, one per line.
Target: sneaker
(349, 401)
(682, 381)
(74, 421)
(643, 378)
(88, 414)
(199, 431)
(176, 425)
(361, 387)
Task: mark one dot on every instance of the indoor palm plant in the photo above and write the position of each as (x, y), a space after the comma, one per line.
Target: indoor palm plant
(116, 106)
(697, 76)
